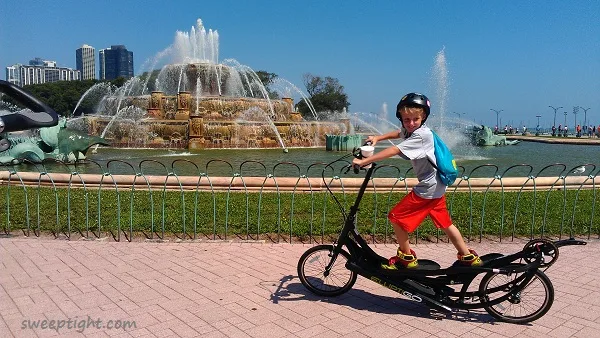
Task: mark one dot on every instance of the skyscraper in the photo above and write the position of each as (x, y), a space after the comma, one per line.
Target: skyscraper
(115, 62)
(86, 62)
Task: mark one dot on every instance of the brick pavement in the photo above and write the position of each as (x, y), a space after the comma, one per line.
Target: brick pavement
(231, 289)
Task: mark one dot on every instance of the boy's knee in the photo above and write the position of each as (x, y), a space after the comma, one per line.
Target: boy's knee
(392, 218)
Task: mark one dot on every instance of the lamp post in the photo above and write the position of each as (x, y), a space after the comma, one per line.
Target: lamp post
(555, 109)
(497, 115)
(575, 111)
(458, 114)
(584, 115)
(566, 122)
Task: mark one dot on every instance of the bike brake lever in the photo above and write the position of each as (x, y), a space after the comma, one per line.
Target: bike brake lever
(352, 166)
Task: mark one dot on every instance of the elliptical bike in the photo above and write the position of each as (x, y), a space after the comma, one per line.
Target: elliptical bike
(511, 288)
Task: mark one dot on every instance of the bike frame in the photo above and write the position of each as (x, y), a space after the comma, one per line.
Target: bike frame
(431, 286)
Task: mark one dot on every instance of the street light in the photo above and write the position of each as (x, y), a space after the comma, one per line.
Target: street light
(575, 111)
(566, 121)
(555, 109)
(458, 114)
(584, 115)
(497, 115)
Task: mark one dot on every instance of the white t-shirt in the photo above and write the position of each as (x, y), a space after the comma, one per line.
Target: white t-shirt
(418, 148)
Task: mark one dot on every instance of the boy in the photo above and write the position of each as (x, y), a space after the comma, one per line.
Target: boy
(427, 197)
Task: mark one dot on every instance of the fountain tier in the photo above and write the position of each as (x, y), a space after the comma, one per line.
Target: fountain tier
(182, 121)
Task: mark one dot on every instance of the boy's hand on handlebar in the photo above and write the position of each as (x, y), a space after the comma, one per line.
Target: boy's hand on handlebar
(372, 139)
(357, 165)
(358, 162)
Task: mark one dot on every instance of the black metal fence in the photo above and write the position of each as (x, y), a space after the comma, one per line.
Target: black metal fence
(57, 198)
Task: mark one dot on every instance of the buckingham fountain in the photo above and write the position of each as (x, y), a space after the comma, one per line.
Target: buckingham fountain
(197, 102)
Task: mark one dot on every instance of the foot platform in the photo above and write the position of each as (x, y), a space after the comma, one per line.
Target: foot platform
(490, 257)
(424, 265)
(485, 258)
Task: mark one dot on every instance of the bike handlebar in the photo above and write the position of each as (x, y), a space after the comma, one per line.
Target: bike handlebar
(358, 154)
(41, 115)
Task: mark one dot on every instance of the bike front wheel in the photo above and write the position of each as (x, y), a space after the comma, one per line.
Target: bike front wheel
(523, 305)
(315, 277)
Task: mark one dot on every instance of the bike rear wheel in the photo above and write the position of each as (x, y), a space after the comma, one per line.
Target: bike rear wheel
(313, 275)
(524, 304)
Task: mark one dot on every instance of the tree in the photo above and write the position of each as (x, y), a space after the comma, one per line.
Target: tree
(118, 82)
(149, 78)
(326, 95)
(267, 80)
(62, 96)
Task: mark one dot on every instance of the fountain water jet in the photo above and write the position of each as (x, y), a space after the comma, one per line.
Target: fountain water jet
(440, 78)
(447, 128)
(286, 87)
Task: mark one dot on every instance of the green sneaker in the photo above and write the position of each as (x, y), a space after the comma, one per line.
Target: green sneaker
(402, 260)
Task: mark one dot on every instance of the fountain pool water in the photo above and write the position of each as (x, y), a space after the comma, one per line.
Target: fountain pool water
(537, 155)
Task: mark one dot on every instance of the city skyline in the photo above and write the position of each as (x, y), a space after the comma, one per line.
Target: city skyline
(517, 58)
(120, 64)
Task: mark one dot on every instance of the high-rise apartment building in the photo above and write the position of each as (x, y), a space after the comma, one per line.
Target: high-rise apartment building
(85, 58)
(115, 62)
(12, 74)
(40, 71)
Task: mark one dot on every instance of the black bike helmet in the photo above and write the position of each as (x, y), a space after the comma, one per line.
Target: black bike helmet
(414, 100)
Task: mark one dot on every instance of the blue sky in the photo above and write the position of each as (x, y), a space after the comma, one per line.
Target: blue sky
(515, 56)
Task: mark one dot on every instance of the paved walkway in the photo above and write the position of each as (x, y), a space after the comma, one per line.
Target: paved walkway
(224, 289)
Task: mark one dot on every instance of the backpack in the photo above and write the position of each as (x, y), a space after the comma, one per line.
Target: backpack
(446, 166)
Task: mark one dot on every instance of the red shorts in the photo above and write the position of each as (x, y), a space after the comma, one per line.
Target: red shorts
(410, 212)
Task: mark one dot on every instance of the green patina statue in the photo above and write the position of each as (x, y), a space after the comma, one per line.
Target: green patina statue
(57, 142)
(483, 136)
